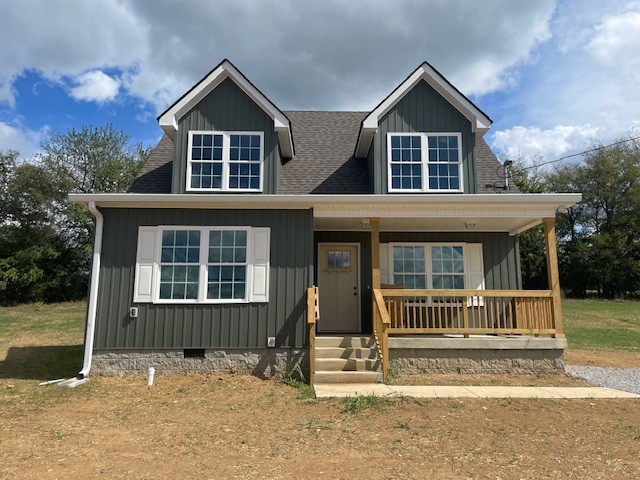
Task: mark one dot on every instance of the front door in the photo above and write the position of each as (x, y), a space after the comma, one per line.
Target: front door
(338, 287)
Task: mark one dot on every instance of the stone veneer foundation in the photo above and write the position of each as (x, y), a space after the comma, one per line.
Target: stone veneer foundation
(411, 355)
(264, 363)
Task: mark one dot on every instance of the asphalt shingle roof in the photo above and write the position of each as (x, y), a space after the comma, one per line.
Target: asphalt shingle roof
(488, 170)
(324, 161)
(155, 175)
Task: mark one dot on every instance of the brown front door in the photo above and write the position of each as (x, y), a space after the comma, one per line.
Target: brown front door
(338, 288)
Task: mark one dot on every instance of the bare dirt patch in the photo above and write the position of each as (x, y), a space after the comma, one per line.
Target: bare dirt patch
(603, 358)
(232, 426)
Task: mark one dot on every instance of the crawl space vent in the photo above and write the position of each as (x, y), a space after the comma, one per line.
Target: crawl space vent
(194, 353)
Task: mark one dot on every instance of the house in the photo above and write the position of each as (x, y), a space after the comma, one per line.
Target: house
(399, 216)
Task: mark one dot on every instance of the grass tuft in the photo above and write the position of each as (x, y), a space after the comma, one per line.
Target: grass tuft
(362, 402)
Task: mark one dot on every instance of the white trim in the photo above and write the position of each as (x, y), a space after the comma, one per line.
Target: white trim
(480, 123)
(350, 244)
(93, 292)
(202, 275)
(427, 259)
(517, 209)
(169, 119)
(226, 160)
(424, 147)
(269, 201)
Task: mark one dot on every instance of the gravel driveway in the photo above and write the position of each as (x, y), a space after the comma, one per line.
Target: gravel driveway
(626, 379)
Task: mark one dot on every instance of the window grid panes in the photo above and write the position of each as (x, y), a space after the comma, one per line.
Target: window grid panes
(227, 264)
(444, 158)
(424, 162)
(206, 161)
(409, 266)
(180, 264)
(447, 267)
(338, 259)
(225, 161)
(244, 162)
(406, 162)
(443, 269)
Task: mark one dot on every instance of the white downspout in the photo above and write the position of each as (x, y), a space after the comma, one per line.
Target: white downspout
(93, 291)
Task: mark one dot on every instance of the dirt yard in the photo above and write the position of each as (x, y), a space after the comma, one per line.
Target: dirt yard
(235, 426)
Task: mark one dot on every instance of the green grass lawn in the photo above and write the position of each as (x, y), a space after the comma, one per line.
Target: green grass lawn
(45, 341)
(602, 324)
(39, 341)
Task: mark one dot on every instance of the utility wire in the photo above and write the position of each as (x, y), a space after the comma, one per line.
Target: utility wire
(581, 153)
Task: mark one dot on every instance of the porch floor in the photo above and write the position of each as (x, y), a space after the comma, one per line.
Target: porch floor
(329, 390)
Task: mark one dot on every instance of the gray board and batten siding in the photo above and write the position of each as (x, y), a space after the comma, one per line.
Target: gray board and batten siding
(500, 253)
(422, 109)
(227, 108)
(167, 326)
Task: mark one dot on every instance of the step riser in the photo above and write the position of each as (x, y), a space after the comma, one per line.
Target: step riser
(337, 352)
(351, 364)
(347, 377)
(346, 342)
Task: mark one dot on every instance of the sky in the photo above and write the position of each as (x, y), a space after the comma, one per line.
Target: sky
(555, 76)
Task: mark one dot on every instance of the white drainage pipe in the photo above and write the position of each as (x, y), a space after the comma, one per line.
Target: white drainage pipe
(150, 375)
(93, 292)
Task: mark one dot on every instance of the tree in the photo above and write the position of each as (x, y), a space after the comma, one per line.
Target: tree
(528, 177)
(95, 160)
(598, 239)
(45, 241)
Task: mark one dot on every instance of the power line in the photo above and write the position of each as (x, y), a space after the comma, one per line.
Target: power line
(595, 149)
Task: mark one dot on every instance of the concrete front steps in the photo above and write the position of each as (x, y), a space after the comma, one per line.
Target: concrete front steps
(347, 359)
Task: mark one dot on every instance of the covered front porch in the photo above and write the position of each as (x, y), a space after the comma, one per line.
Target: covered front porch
(462, 327)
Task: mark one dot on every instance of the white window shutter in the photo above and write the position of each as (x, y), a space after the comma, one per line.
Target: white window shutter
(475, 272)
(384, 263)
(259, 265)
(145, 258)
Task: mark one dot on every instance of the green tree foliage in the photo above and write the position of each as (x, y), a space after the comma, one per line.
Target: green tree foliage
(598, 239)
(46, 242)
(533, 263)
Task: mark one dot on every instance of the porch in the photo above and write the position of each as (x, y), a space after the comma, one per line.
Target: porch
(465, 327)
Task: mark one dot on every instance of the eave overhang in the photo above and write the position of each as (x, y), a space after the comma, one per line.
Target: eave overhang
(512, 213)
(170, 118)
(480, 122)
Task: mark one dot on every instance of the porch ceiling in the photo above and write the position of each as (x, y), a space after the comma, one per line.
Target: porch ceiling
(459, 214)
(431, 224)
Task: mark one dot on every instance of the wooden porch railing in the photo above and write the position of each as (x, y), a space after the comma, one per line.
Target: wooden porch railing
(313, 315)
(527, 312)
(381, 323)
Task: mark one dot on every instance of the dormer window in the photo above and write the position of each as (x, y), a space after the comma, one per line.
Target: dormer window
(424, 162)
(225, 161)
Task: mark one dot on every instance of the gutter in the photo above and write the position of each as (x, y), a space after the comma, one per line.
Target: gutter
(217, 200)
(93, 292)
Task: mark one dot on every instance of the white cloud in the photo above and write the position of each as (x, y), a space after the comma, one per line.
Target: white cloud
(587, 77)
(67, 38)
(333, 54)
(24, 141)
(95, 86)
(616, 42)
(532, 142)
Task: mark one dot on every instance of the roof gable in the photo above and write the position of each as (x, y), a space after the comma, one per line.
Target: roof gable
(171, 116)
(480, 122)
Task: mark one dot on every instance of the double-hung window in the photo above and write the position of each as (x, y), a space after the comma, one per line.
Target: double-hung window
(202, 264)
(428, 266)
(225, 161)
(424, 162)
